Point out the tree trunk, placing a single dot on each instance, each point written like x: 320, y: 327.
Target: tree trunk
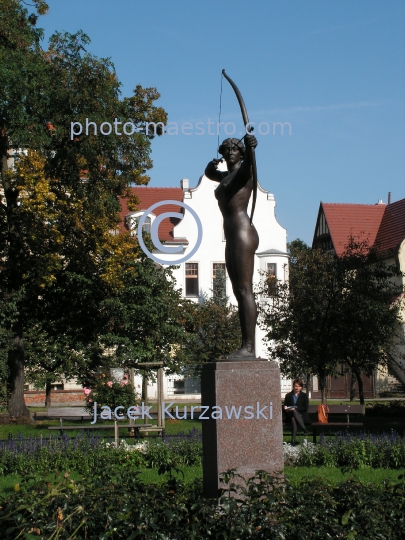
x: 353, y: 386
x: 360, y: 383
x: 322, y: 385
x: 48, y: 389
x: 16, y: 404
x: 145, y: 388
x: 15, y: 361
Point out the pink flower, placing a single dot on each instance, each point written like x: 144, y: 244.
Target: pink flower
x: 124, y: 382
x: 90, y: 401
x: 87, y: 391
x: 125, y: 377
x: 109, y: 384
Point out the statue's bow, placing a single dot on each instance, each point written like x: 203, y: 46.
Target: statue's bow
x: 251, y: 150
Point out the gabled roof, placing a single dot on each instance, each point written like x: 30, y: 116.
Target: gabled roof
x: 345, y: 220
x: 149, y: 196
x: 392, y: 228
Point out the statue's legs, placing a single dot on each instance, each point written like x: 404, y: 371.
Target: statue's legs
x: 247, y: 317
x: 239, y: 256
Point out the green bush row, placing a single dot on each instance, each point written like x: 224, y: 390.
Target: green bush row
x: 111, y: 503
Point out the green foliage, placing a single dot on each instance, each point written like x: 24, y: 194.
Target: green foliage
x: 114, y: 503
x: 178, y: 452
x: 214, y: 331
x: 144, y: 319
x: 219, y: 287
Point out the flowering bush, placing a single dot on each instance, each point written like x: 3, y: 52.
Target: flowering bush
x: 382, y: 450
x: 109, y: 391
x: 293, y: 454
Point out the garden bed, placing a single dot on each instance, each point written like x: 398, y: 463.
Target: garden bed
x: 153, y: 490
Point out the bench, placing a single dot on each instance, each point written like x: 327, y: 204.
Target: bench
x: 137, y: 428
x: 346, y: 410
x: 79, y: 413
x: 76, y: 413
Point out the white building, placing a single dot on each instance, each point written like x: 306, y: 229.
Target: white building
x: 196, y: 275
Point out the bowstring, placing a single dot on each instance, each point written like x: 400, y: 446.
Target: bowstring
x: 219, y: 115
x: 220, y: 110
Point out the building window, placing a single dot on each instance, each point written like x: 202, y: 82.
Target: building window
x: 132, y: 224
x: 184, y: 386
x: 145, y: 227
x: 271, y: 279
x: 272, y: 269
x: 219, y: 280
x: 315, y: 383
x: 191, y: 279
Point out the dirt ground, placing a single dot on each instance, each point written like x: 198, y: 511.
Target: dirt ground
x: 6, y: 419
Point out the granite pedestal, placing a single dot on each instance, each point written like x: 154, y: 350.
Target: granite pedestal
x: 249, y: 436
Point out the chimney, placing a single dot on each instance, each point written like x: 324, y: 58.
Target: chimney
x: 389, y: 197
x: 184, y: 184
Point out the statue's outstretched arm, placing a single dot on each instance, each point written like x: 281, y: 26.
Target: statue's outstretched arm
x: 212, y: 172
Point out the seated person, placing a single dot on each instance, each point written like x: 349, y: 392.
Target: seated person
x: 295, y: 409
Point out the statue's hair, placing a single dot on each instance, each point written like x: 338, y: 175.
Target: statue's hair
x: 235, y: 142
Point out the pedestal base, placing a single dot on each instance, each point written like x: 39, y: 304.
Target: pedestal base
x: 242, y: 423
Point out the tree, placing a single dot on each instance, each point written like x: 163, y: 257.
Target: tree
x: 334, y: 311
x: 299, y: 316
x: 59, y: 203
x: 213, y: 328
x: 369, y: 311
x: 144, y: 317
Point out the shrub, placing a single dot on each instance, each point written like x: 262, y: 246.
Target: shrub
x: 111, y: 504
x: 390, y: 409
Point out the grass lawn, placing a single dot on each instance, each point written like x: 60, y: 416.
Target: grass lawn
x: 40, y: 427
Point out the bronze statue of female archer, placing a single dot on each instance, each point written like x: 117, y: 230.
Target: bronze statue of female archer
x: 233, y: 194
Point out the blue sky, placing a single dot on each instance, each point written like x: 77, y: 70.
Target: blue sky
x: 334, y: 70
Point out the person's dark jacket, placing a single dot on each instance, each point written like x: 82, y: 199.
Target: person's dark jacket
x: 302, y: 404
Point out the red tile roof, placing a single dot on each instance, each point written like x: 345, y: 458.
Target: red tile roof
x: 357, y: 220
x: 392, y: 229
x: 149, y: 196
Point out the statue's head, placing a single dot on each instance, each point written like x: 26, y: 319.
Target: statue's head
x: 228, y: 144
